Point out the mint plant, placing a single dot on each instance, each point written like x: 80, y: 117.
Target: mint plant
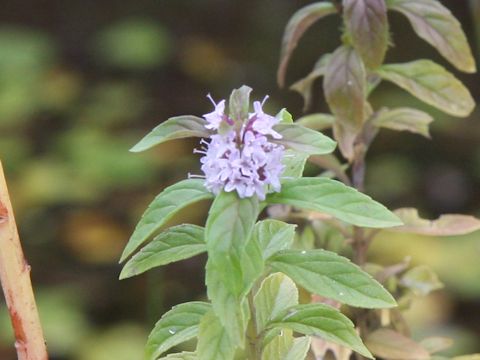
x: 255, y: 272
x: 351, y: 74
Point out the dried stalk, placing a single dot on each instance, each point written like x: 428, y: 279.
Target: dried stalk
x: 16, y: 284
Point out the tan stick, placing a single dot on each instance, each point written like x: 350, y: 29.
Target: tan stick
x: 16, y: 284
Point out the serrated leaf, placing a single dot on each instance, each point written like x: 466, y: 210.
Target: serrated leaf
x: 317, y: 121
x: 294, y: 163
x: 390, y: 344
x: 334, y: 198
x: 213, y: 341
x: 404, y: 119
x: 296, y: 27
x: 304, y: 86
x: 445, y: 225
x: 273, y: 236
x: 435, y: 24
x: 345, y: 86
x: 422, y: 280
x: 367, y: 24
x: 185, y: 355
x: 174, y: 128
x: 323, y: 321
x: 176, y: 326
x: 163, y: 207
x: 302, y: 139
x: 276, y: 294
x: 432, y: 84
x: 174, y: 244
x: 330, y: 275
x: 239, y: 103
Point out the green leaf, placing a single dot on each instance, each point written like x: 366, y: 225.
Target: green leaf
x: 435, y: 24
x: 273, y: 236
x: 367, y: 24
x: 229, y: 307
x: 284, y: 116
x: 304, y: 86
x: 239, y: 103
x: 445, y: 225
x: 390, y: 344
x: 432, y: 84
x: 278, y: 346
x: 177, y: 243
x: 229, y: 227
x: 317, y: 121
x: 294, y: 163
x: 176, y: 326
x: 163, y: 207
x: 174, y: 128
x: 285, y: 347
x: 323, y: 321
x: 302, y: 139
x: 404, y: 119
x: 436, y: 344
x: 332, y: 276
x: 276, y: 294
x: 334, y: 198
x: 213, y: 341
x: 345, y: 86
x: 185, y: 355
x: 422, y: 280
x: 296, y: 27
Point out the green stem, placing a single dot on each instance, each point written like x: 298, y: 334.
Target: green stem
x: 254, y: 350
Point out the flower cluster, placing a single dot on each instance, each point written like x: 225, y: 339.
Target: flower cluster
x: 242, y: 158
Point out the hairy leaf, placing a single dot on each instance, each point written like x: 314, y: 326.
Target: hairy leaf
x: 276, y: 294
x: 239, y: 103
x: 163, y: 207
x: 177, y: 243
x: 296, y: 27
x: 302, y: 139
x: 432, y: 84
x: 317, y: 121
x: 332, y: 276
x: 185, y: 355
x: 404, y: 119
x: 323, y: 321
x: 304, y: 86
x: 367, y: 24
x: 389, y: 344
x: 273, y: 235
x: 174, y: 128
x: 435, y: 24
x: 345, y: 86
x: 213, y: 341
x: 176, y: 326
x: 445, y: 225
x: 334, y: 198
x: 285, y: 347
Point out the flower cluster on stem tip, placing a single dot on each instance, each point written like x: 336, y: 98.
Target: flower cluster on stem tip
x: 241, y: 156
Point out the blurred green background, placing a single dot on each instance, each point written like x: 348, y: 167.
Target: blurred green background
x: 82, y: 81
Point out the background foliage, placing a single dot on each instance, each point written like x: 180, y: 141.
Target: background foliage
x: 80, y: 82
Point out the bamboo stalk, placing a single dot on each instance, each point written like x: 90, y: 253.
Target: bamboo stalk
x: 16, y: 284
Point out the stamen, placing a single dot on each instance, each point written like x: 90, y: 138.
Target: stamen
x: 265, y: 99
x: 211, y: 99
x: 194, y: 176
x: 196, y: 151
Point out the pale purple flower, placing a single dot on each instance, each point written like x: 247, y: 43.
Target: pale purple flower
x: 242, y: 158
